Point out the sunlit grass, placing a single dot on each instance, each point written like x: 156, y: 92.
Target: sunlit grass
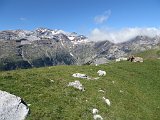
x: 134, y: 94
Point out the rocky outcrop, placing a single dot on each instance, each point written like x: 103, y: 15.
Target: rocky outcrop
x: 42, y: 47
x: 12, y: 107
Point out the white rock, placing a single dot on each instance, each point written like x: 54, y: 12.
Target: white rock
x: 135, y: 59
x: 138, y: 59
x: 76, y: 84
x: 107, y: 101
x: 29, y: 104
x: 125, y: 59
x: 121, y: 91
x: 12, y: 107
x: 97, y: 117
x: 121, y: 59
x: 101, y: 91
x: 95, y: 111
x: 118, y: 59
x: 79, y: 75
x: 101, y: 73
x: 51, y: 80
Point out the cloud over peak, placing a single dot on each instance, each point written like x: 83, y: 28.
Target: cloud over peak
x: 99, y: 19
x: 122, y: 35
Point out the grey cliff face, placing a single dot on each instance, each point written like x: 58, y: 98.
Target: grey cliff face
x: 46, y: 47
x: 42, y: 47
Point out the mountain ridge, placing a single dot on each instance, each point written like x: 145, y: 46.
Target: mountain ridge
x: 46, y: 47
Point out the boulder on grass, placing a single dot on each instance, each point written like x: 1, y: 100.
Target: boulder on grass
x: 76, y: 84
x: 12, y: 107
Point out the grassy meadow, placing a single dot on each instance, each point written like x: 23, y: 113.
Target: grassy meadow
x: 132, y: 88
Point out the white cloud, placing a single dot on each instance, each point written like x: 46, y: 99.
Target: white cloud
x: 102, y: 18
x: 122, y: 35
x: 22, y: 19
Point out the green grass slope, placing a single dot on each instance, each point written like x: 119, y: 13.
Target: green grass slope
x: 150, y: 54
x: 134, y: 94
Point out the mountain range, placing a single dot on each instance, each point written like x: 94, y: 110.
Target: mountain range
x: 46, y: 47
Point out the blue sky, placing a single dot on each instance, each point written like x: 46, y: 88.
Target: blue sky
x: 80, y: 16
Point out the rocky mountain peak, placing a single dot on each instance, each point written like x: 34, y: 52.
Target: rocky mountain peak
x: 42, y: 33
x: 44, y: 47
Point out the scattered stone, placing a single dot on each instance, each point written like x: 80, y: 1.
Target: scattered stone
x: 135, y: 59
x: 95, y: 114
x: 95, y: 111
x: 97, y: 117
x: 101, y: 73
x: 121, y: 91
x: 84, y: 76
x: 107, y: 101
x: 51, y: 80
x: 118, y: 60
x: 113, y: 82
x: 121, y: 59
x: 76, y: 84
x: 79, y: 75
x: 101, y: 91
x: 12, y: 107
x: 138, y: 59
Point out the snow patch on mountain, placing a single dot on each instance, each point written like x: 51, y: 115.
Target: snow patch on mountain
x: 71, y: 54
x: 80, y: 41
x: 71, y: 37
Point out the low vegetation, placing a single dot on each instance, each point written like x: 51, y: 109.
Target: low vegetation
x: 150, y: 54
x: 132, y: 88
